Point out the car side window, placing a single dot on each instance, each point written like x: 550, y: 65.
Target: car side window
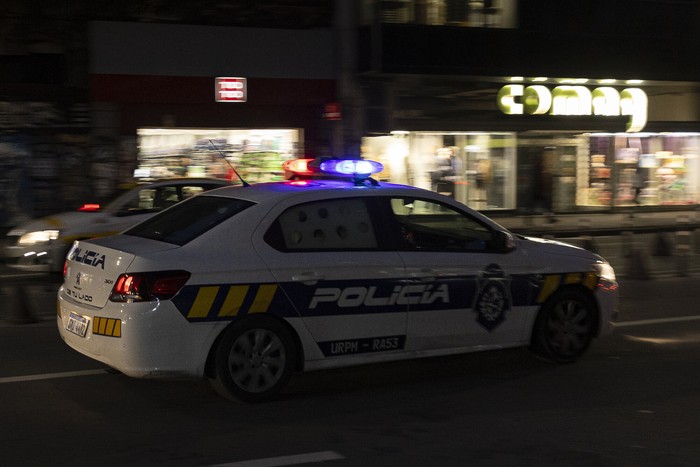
x: 190, y: 191
x: 140, y: 201
x: 431, y: 226
x: 335, y: 224
x: 165, y: 197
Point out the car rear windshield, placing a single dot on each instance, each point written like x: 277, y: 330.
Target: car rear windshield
x: 188, y: 220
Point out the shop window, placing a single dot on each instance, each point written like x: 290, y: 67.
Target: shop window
x: 651, y: 170
x: 257, y: 154
x: 477, y: 169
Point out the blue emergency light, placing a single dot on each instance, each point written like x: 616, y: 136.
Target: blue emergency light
x: 356, y: 169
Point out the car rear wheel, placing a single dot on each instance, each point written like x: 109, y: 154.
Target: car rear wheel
x: 253, y: 360
x: 565, y: 326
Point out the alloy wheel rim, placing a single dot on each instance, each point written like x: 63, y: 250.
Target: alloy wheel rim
x: 257, y: 360
x: 569, y: 327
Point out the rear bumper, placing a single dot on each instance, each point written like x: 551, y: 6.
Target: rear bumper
x: 40, y: 258
x: 142, y: 340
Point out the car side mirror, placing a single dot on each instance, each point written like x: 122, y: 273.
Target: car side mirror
x: 503, y: 241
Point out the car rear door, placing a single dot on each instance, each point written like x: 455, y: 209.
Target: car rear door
x: 329, y: 258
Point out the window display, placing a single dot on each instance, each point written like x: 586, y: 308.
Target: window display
x: 477, y: 169
x: 649, y: 169
x: 257, y: 155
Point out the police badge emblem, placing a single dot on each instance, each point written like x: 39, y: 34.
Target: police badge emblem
x: 493, y: 299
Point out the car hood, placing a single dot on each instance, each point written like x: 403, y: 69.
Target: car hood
x: 552, y: 255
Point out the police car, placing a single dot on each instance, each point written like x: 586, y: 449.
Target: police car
x: 41, y: 244
x: 245, y: 285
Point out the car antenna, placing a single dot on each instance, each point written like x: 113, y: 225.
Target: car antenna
x: 229, y: 164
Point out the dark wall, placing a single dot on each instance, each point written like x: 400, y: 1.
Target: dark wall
x: 623, y: 39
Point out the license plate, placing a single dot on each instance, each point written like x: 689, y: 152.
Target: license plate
x: 77, y: 324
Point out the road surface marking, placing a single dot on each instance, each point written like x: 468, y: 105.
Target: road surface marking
x: 67, y: 374
x: 643, y: 322
x: 321, y: 456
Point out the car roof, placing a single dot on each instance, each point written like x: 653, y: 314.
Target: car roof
x: 181, y: 181
x: 270, y: 191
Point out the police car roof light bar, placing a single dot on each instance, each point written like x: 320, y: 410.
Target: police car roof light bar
x: 358, y: 168
x: 298, y: 166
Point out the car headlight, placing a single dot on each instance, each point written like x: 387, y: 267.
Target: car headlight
x: 605, y: 271
x: 39, y: 236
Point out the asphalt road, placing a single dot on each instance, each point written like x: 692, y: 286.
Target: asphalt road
x: 631, y: 401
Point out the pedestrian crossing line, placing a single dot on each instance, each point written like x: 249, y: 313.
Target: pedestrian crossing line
x: 643, y: 322
x: 39, y: 377
x: 312, y: 457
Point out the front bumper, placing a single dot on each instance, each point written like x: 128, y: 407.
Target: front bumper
x: 46, y: 257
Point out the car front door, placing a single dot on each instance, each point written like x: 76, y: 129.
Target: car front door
x: 470, y: 296
x: 329, y: 258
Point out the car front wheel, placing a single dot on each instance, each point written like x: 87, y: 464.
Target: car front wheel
x: 253, y: 360
x: 565, y: 326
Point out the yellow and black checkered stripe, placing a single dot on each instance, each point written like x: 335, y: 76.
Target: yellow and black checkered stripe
x: 110, y: 327
x: 228, y: 301
x: 552, y: 282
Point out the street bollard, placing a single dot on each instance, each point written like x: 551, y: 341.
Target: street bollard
x: 662, y: 245
x: 683, y: 247
x: 584, y: 226
x: 548, y: 225
x: 627, y: 242
x: 20, y: 312
x: 638, y: 265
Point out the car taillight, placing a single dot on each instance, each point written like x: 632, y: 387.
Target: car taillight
x: 89, y: 207
x: 147, y: 286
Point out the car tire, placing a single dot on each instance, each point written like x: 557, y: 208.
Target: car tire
x: 564, y: 326
x: 253, y: 360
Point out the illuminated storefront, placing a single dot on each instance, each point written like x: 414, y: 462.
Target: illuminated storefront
x: 557, y: 145
x: 475, y: 168
x: 257, y: 154
x: 640, y: 169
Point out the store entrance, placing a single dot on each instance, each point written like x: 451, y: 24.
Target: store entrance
x: 546, y: 177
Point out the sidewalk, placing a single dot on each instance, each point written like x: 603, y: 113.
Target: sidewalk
x: 600, y: 224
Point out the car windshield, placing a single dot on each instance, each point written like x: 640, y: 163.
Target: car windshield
x: 189, y: 219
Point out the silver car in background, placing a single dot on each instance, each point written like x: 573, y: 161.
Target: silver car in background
x: 40, y: 245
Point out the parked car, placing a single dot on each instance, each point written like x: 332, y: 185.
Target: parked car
x: 42, y: 244
x: 245, y: 285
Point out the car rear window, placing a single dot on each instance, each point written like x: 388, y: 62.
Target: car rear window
x: 189, y: 219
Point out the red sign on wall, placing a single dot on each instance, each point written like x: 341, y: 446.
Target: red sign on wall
x: 230, y: 90
x: 332, y: 111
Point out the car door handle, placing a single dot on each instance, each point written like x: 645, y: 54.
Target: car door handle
x: 307, y: 277
x: 425, y: 274
x: 492, y: 270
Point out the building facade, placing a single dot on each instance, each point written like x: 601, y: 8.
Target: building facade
x: 507, y: 105
x: 535, y: 106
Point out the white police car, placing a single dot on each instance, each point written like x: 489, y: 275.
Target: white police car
x: 41, y: 244
x: 247, y: 284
